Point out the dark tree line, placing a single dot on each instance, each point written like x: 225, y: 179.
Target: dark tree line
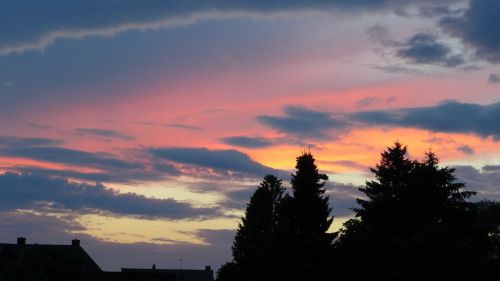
x: 415, y: 222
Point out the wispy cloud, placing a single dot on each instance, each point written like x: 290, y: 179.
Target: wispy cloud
x: 247, y: 142
x: 103, y: 133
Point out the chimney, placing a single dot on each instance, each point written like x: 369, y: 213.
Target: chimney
x: 208, y: 268
x: 21, y: 241
x: 75, y: 242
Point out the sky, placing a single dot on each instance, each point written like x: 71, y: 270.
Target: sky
x: 143, y: 127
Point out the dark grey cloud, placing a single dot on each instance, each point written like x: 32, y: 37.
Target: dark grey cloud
x: 449, y: 116
x: 30, y: 191
x: 372, y: 100
x: 111, y: 167
x: 399, y: 69
x: 343, y: 198
x: 11, y: 141
x: 478, y: 27
x: 423, y: 48
x: 485, y: 180
x: 466, y: 149
x: 494, y: 78
x: 439, y: 11
x: 39, y: 126
x: 70, y: 156
x: 182, y: 126
x: 103, y: 133
x: 420, y: 48
x: 304, y: 123
x: 221, y: 160
x: 29, y: 24
x: 38, y: 227
x: 247, y: 142
x: 367, y: 101
x: 112, y: 176
x: 381, y: 34
x: 491, y: 168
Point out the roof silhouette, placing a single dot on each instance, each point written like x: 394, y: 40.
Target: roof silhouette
x: 41, y: 262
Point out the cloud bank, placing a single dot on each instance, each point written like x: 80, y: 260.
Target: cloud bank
x: 33, y: 191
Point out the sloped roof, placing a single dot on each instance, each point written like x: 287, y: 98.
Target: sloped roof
x: 46, y: 263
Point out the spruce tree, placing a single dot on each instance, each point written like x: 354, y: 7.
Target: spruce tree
x: 305, y: 216
x: 255, y: 243
x: 414, y: 224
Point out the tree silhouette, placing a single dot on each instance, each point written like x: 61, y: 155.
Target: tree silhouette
x: 229, y: 272
x: 414, y: 224
x: 254, y: 246
x: 304, y: 220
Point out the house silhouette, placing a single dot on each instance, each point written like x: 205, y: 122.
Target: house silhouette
x: 38, y: 262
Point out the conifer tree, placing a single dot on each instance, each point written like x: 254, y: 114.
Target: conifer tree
x: 305, y: 220
x: 254, y: 246
x: 414, y: 224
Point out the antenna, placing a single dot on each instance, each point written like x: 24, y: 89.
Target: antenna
x: 180, y: 261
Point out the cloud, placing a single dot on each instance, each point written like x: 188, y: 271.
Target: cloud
x: 478, y: 27
x: 449, y: 116
x: 29, y: 191
x: 466, y: 149
x: 423, y: 48
x: 220, y: 160
x: 110, y: 176
x: 70, y: 156
x: 103, y: 133
x: 367, y: 101
x: 247, y: 142
x: 182, y: 126
x: 304, y: 123
x: 419, y: 49
x: 105, y: 167
x: 485, y: 180
x: 439, y: 11
x: 38, y: 227
x: 19, y: 141
x: 343, y: 198
x: 31, y: 25
x: 494, y: 78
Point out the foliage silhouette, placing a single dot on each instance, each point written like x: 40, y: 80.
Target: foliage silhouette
x: 303, y: 223
x: 285, y: 237
x: 229, y: 272
x: 415, y: 224
x: 255, y: 242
